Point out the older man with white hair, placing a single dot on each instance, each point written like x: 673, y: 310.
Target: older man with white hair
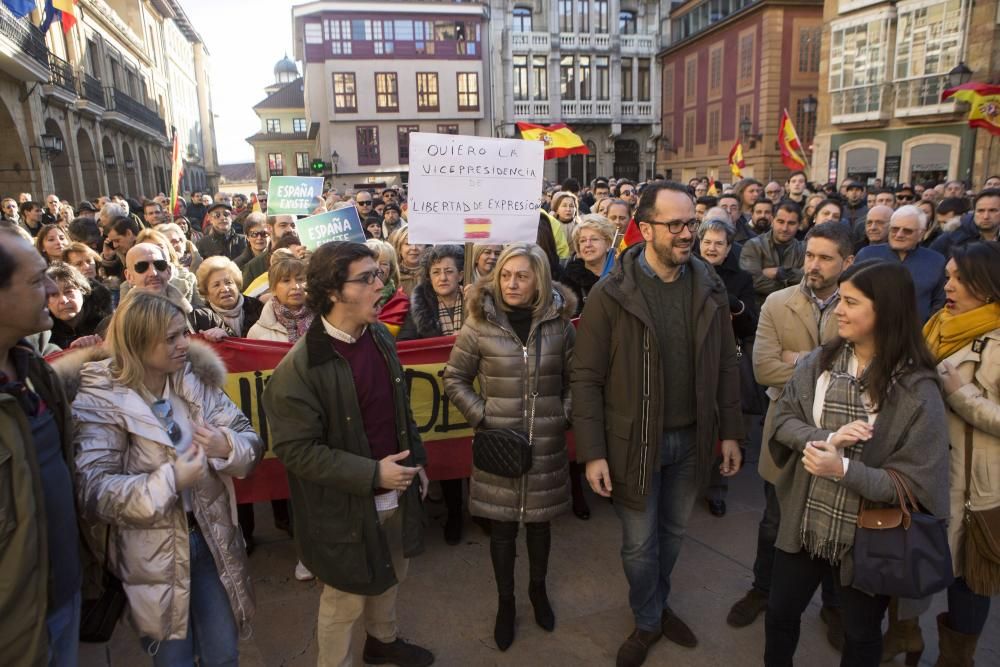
x: 906, y: 229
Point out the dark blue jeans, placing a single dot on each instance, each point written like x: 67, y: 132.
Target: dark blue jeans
x: 651, y: 539
x: 63, y: 625
x: 212, y: 633
x: 967, y: 611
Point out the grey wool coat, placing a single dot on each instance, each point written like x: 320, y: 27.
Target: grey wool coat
x: 910, y: 436
x: 487, y: 349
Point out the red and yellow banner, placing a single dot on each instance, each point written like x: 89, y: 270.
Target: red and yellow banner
x: 984, y: 104
x: 446, y: 435
x: 736, y: 162
x: 792, y: 154
x: 559, y: 140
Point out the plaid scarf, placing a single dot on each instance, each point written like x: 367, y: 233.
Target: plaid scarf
x: 450, y: 318
x: 831, y: 512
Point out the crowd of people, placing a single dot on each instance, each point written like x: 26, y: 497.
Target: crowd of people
x: 850, y: 334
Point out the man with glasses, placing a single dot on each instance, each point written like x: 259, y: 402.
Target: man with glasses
x: 626, y: 191
x: 340, y: 420
x: 774, y: 258
x: 774, y: 192
x: 277, y: 226
x: 906, y: 229
x: 730, y: 203
x: 52, y: 206
x: 904, y: 195
x: 647, y: 419
x: 262, y: 200
x: 390, y: 196
x: 220, y: 237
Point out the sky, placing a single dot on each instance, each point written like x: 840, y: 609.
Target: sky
x: 245, y: 38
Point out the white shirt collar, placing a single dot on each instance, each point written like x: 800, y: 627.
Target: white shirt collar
x: 337, y: 334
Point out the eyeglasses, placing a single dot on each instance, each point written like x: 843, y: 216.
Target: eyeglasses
x: 365, y: 203
x: 259, y: 235
x: 159, y: 264
x: 164, y: 411
x: 369, y: 277
x: 901, y: 231
x: 904, y: 197
x: 676, y: 226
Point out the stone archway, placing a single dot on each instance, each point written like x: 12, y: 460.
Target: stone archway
x: 62, y: 176
x: 146, y: 173
x: 90, y: 167
x: 16, y: 174
x: 114, y: 178
x: 129, y: 166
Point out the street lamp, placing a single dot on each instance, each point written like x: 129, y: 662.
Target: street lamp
x: 809, y: 105
x: 129, y: 164
x: 746, y: 129
x: 109, y: 161
x: 334, y: 160
x: 959, y: 74
x: 52, y: 145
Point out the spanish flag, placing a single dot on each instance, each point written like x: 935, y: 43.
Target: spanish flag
x: 631, y: 237
x: 736, y: 162
x: 984, y: 104
x: 67, y: 9
x: 791, y: 148
x: 477, y: 229
x: 254, y: 203
x: 560, y: 141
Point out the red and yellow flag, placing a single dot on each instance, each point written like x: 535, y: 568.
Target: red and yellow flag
x: 792, y: 154
x: 736, y: 162
x: 560, y: 141
x: 254, y: 203
x: 67, y: 9
x: 984, y: 104
x: 176, y: 168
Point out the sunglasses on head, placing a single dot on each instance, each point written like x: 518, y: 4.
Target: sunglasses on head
x: 143, y: 266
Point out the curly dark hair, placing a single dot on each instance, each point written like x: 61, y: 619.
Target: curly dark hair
x: 435, y: 254
x: 329, y: 268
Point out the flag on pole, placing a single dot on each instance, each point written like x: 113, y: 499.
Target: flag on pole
x: 254, y: 203
x: 631, y: 237
x: 19, y: 8
x: 736, y: 162
x: 176, y: 169
x: 559, y: 140
x: 792, y: 154
x: 984, y: 104
x: 58, y: 11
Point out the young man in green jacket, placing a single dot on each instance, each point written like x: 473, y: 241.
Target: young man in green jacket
x: 341, y: 423
x: 39, y: 594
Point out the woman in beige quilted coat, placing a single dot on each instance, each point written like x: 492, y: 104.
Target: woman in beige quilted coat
x: 158, y: 443
x: 510, y: 314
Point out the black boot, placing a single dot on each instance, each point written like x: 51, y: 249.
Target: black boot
x: 451, y: 489
x: 539, y: 538
x: 503, y: 551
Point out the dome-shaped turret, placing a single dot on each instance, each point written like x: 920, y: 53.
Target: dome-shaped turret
x: 286, y: 70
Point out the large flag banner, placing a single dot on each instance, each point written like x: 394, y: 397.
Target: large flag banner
x: 791, y: 148
x: 984, y: 104
x: 176, y: 169
x: 558, y: 139
x: 736, y: 162
x: 446, y: 435
x: 294, y: 195
x: 19, y: 8
x: 344, y: 224
x: 473, y: 189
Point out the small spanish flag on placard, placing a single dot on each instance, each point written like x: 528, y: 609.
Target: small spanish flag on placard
x: 477, y: 228
x: 559, y: 140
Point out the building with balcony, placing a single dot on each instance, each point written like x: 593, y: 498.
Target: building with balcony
x: 729, y: 69
x: 286, y: 143
x: 369, y: 81
x: 92, y: 111
x: 884, y: 66
x: 590, y: 64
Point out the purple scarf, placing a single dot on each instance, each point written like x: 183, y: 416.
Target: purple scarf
x: 296, y: 322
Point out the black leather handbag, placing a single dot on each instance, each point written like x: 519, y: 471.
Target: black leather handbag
x: 901, y: 551
x: 98, y: 617
x: 506, y: 452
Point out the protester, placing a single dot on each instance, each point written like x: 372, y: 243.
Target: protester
x: 30, y: 217
x: 947, y: 217
x: 341, y: 424
x: 876, y: 226
x: 715, y: 246
x: 220, y: 236
x: 518, y: 319
x: 190, y: 232
x: 566, y: 211
x: 409, y: 258
x: 392, y: 219
x: 258, y: 237
x: 877, y: 373
x: 188, y: 256
x: 436, y: 303
x: 220, y: 283
x: 285, y: 316
x: 748, y: 192
x: 761, y: 216
x: 619, y: 213
x: 592, y: 241
x: 157, y: 440
x: 984, y: 226
x: 40, y: 570
x: 50, y: 242
x: 394, y: 304
x: 964, y: 339
x: 185, y: 281
x: 9, y: 210
x: 774, y: 258
x: 82, y: 258
x: 77, y: 308
x: 809, y: 214
x: 654, y: 287
x: 484, y: 259
x: 926, y: 267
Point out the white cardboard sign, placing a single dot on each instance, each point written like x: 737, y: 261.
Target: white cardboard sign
x: 473, y: 189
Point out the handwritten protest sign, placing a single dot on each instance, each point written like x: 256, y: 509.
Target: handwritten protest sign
x: 294, y: 195
x: 341, y: 225
x: 473, y: 189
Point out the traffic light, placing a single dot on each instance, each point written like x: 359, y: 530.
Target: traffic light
x: 318, y: 166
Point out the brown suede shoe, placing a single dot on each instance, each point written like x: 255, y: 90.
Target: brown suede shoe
x: 634, y: 650
x: 677, y: 630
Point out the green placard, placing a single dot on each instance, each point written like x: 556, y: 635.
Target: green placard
x: 294, y: 195
x: 341, y: 225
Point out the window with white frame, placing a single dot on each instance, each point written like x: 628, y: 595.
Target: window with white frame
x: 928, y: 45
x: 858, y: 51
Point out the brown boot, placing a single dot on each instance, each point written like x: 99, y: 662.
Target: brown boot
x: 957, y: 649
x: 903, y: 636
